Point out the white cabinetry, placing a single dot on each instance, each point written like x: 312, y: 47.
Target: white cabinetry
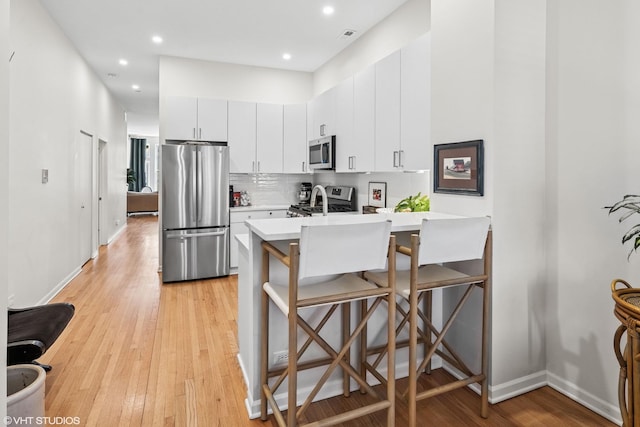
x: 415, y: 107
x: 321, y: 115
x: 389, y: 154
x: 255, y: 137
x: 242, y: 137
x: 237, y: 226
x: 364, y: 96
x: 344, y: 125
x: 197, y: 119
x: 269, y: 135
x: 295, y: 143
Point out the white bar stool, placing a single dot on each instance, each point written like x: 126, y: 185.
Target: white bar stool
x: 323, y: 250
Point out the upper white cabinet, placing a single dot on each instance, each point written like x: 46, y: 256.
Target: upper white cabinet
x: 295, y: 141
x: 255, y: 137
x: 242, y: 137
x: 344, y: 124
x: 415, y: 105
x: 269, y: 134
x: 321, y: 115
x: 199, y: 119
x: 388, y: 153
x: 355, y: 151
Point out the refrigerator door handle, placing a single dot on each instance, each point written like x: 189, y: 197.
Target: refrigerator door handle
x: 198, y: 185
x: 192, y: 235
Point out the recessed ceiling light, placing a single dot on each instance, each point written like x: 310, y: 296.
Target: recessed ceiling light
x: 328, y: 10
x: 156, y: 39
x: 123, y: 62
x: 286, y: 56
x: 136, y: 88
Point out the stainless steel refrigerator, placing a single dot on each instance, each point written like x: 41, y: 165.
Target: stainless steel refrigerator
x: 195, y: 211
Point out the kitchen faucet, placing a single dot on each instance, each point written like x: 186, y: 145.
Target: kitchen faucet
x: 323, y: 192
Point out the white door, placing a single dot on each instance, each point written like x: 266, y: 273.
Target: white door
x: 102, y: 193
x: 83, y: 168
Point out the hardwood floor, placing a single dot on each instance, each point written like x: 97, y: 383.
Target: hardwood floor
x: 139, y: 353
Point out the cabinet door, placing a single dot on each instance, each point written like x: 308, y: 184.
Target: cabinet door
x: 212, y: 119
x: 181, y: 121
x: 387, y: 127
x: 269, y: 138
x: 344, y: 125
x: 324, y: 114
x: 295, y: 139
x: 242, y: 137
x: 415, y: 101
x: 364, y: 97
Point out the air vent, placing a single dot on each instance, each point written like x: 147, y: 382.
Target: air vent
x: 347, y: 34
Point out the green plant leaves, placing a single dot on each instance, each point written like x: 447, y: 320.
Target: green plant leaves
x: 417, y: 203
x: 630, y: 202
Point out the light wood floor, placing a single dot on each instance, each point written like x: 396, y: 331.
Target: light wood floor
x: 139, y: 353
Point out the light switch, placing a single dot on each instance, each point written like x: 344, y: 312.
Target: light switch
x: 45, y: 176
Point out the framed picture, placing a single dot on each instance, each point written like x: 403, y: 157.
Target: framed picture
x: 459, y: 168
x: 378, y: 194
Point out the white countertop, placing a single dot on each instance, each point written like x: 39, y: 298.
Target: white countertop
x: 258, y: 208
x: 289, y: 228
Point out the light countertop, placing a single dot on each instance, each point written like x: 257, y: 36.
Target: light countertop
x: 289, y: 228
x: 258, y: 208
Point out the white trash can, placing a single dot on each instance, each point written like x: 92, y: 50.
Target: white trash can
x: 25, y: 393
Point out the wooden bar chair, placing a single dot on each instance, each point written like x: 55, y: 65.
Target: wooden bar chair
x: 326, y: 250
x: 440, y: 241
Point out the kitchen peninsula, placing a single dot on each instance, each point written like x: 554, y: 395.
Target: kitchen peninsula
x: 280, y: 232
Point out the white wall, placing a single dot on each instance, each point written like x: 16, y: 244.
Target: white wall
x: 4, y: 193
x: 593, y: 110
x: 54, y: 95
x: 405, y: 24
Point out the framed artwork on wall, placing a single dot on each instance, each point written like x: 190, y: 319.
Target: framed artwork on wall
x: 378, y: 194
x: 459, y: 168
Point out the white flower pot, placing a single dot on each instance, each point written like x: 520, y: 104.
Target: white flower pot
x: 25, y: 392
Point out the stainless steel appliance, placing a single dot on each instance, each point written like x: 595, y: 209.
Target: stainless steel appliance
x: 322, y: 153
x: 195, y: 211
x: 341, y: 200
x: 304, y: 194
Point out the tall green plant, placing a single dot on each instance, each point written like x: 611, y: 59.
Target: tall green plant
x: 629, y: 205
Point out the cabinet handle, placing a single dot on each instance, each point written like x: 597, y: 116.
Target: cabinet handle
x: 303, y: 167
x: 350, y: 163
x: 322, y: 130
x: 258, y: 165
x: 353, y: 162
x: 400, y: 157
x: 194, y: 133
x: 395, y: 159
x: 253, y: 166
x: 199, y: 133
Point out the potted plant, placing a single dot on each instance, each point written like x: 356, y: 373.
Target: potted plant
x: 417, y: 203
x: 629, y: 205
x: 131, y: 178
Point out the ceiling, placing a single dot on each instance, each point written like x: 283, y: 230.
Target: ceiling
x: 249, y: 32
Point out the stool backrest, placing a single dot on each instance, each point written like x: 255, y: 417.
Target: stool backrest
x: 343, y: 248
x: 451, y: 240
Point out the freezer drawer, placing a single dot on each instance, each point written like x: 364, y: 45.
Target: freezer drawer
x: 195, y: 254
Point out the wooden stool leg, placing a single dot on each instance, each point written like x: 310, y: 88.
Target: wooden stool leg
x: 346, y: 332
x: 363, y: 344
x: 264, y: 363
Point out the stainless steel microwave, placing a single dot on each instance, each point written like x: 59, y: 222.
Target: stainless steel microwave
x: 322, y: 153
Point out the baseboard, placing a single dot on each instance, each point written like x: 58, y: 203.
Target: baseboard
x: 586, y: 399
x: 60, y: 286
x: 117, y: 233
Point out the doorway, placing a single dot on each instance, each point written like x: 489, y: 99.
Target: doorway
x: 102, y: 223
x: 83, y: 195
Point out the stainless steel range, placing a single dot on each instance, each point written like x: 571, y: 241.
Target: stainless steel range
x: 340, y: 200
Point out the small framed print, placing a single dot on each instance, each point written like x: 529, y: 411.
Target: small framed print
x: 459, y: 168
x: 378, y: 194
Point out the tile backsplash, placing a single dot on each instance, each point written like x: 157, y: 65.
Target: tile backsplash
x: 282, y: 189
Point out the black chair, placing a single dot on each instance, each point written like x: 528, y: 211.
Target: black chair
x: 33, y: 330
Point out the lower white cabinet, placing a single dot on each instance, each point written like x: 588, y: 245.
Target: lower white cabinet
x: 237, y: 226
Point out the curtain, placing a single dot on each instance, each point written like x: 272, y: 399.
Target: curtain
x: 136, y: 167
